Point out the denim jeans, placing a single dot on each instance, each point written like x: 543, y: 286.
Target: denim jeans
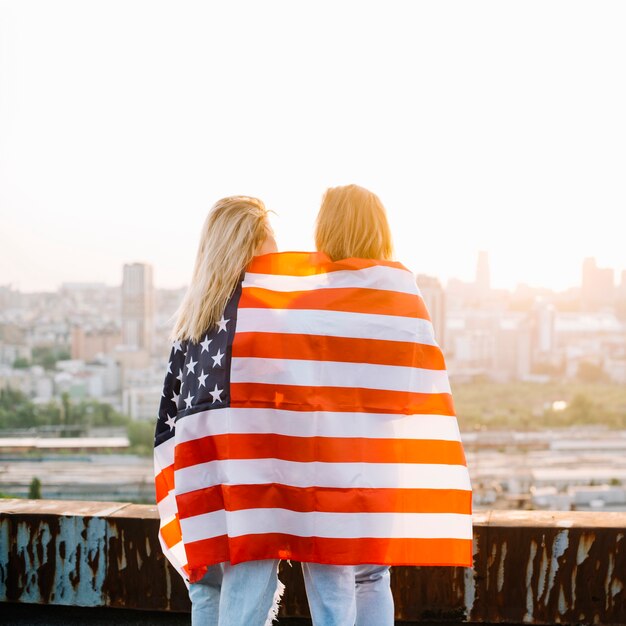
x: 246, y: 594
x: 341, y: 595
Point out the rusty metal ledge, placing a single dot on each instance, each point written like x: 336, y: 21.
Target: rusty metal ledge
x: 529, y: 566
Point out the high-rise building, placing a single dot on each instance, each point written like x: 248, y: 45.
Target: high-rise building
x: 543, y: 323
x: 483, y: 278
x: 598, y: 284
x: 138, y: 306
x: 435, y: 300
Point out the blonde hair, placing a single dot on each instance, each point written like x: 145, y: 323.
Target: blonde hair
x: 232, y: 232
x: 352, y: 222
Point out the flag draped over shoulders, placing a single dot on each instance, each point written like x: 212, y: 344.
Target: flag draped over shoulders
x: 314, y: 422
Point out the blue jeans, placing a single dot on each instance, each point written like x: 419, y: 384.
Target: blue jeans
x: 246, y: 594
x: 342, y: 595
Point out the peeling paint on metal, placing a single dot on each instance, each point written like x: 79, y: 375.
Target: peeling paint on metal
x: 501, y: 566
x: 528, y: 617
x: 559, y: 545
x: 584, y: 545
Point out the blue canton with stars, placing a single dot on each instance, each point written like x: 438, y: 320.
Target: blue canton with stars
x: 198, y: 374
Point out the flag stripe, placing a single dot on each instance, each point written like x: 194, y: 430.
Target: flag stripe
x: 322, y: 449
x: 363, y: 375
x: 313, y: 424
x: 164, y: 482
x: 336, y: 324
x: 315, y: 264
x: 316, y: 474
x: 339, y: 349
x: 327, y: 499
x: 337, y: 398
x: 333, y: 551
x: 167, y: 507
x: 171, y: 532
x: 351, y: 300
x: 319, y: 524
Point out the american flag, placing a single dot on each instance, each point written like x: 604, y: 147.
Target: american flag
x: 314, y: 422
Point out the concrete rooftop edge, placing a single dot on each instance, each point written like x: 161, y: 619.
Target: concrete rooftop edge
x: 541, y: 567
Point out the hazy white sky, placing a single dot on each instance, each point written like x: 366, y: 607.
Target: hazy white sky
x: 481, y: 125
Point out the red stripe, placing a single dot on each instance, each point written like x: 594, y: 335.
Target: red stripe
x: 339, y: 349
x: 171, y: 532
x: 324, y: 499
x: 456, y: 552
x: 322, y: 449
x: 335, y: 399
x: 351, y: 300
x: 164, y: 482
x: 310, y: 263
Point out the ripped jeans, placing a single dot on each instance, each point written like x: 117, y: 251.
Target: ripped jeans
x: 246, y: 594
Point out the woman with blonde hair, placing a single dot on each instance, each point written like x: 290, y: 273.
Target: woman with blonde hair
x: 352, y: 222
x: 235, y: 230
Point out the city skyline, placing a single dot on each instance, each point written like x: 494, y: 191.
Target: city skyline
x: 486, y: 274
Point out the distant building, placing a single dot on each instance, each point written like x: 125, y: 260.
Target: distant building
x: 138, y: 306
x: 598, y: 285
x: 544, y: 327
x: 435, y: 300
x: 512, y: 349
x: 88, y: 344
x: 621, y: 290
x: 483, y: 276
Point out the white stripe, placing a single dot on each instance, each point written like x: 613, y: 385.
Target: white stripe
x: 318, y: 474
x: 376, y: 277
x: 336, y: 324
x: 316, y: 424
x: 337, y: 374
x: 167, y: 508
x: 330, y: 525
x: 176, y: 554
x: 164, y: 455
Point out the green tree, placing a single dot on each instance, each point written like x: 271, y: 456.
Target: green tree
x: 34, y: 489
x: 590, y: 372
x: 141, y: 437
x: 21, y: 363
x: 580, y: 409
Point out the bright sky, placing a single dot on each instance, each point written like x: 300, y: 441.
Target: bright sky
x: 481, y: 125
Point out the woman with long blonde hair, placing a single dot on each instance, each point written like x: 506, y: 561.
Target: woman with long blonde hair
x: 235, y: 230
x: 351, y: 222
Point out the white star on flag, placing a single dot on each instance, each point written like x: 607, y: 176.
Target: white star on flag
x: 169, y: 367
x: 201, y: 379
x: 188, y: 400
x: 217, y: 394
x: 176, y: 347
x: 180, y: 375
x: 205, y: 344
x: 170, y: 421
x: 222, y: 324
x: 191, y: 366
x: 175, y: 398
x: 217, y: 359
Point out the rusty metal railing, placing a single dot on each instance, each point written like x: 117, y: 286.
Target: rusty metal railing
x: 529, y: 566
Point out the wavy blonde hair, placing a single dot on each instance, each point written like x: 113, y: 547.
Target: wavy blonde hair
x: 232, y: 232
x: 352, y: 222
